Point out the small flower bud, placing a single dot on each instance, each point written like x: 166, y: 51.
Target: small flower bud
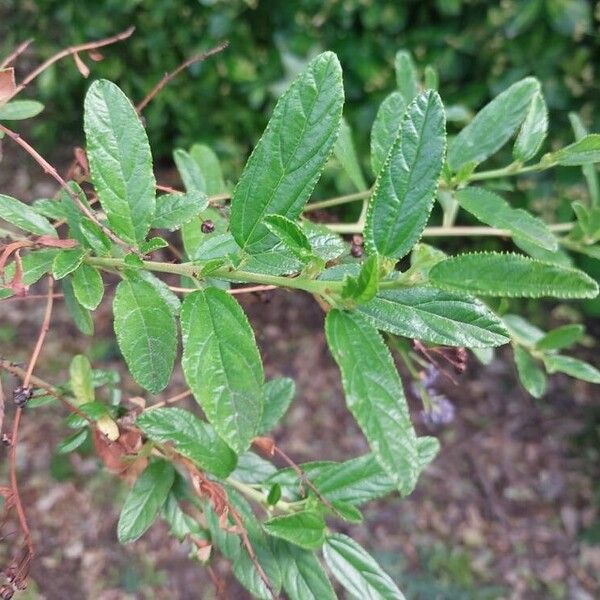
x: 207, y: 226
x: 6, y: 439
x: 357, y: 239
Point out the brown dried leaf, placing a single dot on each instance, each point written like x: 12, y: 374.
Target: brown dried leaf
x: 81, y: 66
x: 8, y: 85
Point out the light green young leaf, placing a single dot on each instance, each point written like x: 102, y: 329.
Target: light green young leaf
x: 589, y: 170
x: 493, y: 125
x: 146, y: 333
x: 533, y: 131
x: 81, y: 382
x: 522, y: 331
x: 428, y: 448
x: 357, y: 571
x: 287, y: 161
x: 190, y: 172
x: 162, y: 289
x: 555, y: 363
x: 88, y: 286
x: 561, y: 337
x: 72, y: 442
x: 24, y: 217
x: 191, y: 437
x: 305, y: 529
x: 153, y: 244
x: 436, y: 316
x: 173, y: 210
x: 493, y: 210
x: 80, y: 315
x: 345, y: 152
x: 66, y: 261
x: 374, y: 395
x: 16, y: 110
x: 145, y: 500
x: 583, y: 152
x: 222, y: 365
x: 279, y: 394
x: 364, y: 286
x: 511, y: 275
x: 290, y: 234
x: 324, y: 243
x: 406, y: 76
x: 120, y: 160
x: 385, y: 129
x: 431, y: 78
x: 530, y: 374
x: 405, y: 188
x: 210, y: 168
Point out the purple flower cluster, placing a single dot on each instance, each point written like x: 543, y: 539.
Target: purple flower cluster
x: 440, y: 410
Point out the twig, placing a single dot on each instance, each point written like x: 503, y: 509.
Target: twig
x: 68, y: 52
x: 170, y: 76
x: 217, y: 582
x: 16, y: 53
x: 1, y: 407
x: 234, y: 292
x: 171, y: 400
x: 32, y: 297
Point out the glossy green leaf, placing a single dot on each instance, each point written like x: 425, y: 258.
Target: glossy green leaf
x: 145, y: 500
x: 120, y: 160
x: 24, y: 217
x: 530, y: 374
x: 305, y: 529
x: 533, y: 131
x: 222, y: 365
x: 345, y: 152
x: 72, y: 442
x: 574, y: 367
x: 88, y: 286
x: 511, y: 275
x: 406, y: 76
x: 287, y: 161
x: 435, y: 316
x: 385, y: 129
x: 191, y: 437
x: 16, y: 110
x: 493, y: 125
x: 146, y: 333
x: 66, y: 261
x: 589, y: 170
x: 80, y: 379
x: 583, y: 152
x: 161, y: 288
x: 324, y: 243
x: 173, y: 210
x: 153, y: 244
x: 493, y: 210
x: 405, y: 188
x: 374, y: 395
x: 279, y: 394
x: 357, y: 571
x: 80, y: 315
x: 364, y: 286
x: 251, y: 468
x: 291, y: 235
x: 561, y: 337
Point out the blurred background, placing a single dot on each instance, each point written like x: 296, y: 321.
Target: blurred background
x: 510, y: 508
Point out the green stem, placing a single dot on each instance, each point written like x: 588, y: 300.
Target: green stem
x: 337, y: 201
x: 512, y: 169
x: 260, y: 498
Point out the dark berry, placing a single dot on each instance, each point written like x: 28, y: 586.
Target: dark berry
x: 21, y: 395
x: 356, y: 250
x: 207, y: 226
x: 357, y: 239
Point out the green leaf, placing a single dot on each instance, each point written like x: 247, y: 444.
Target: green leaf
x: 345, y: 152
x: 80, y: 315
x: 15, y: 110
x: 357, y: 571
x: 287, y: 161
x: 493, y: 125
x: 291, y: 235
x: 72, y: 442
x: 530, y: 375
x: 385, y: 129
x: 305, y: 529
x: 589, y: 170
x: 428, y: 448
x: 374, y: 395
x: 583, y: 152
x: 24, y: 217
x: 210, y: 168
x: 534, y: 130
x: 222, y: 365
x: 405, y: 188
x: 436, y: 316
x: 324, y: 243
x: 66, y: 261
x: 555, y: 363
x: 279, y: 394
x: 173, y: 210
x: 191, y: 437
x: 251, y: 468
x: 561, y: 337
x: 94, y: 237
x: 511, y: 275
x: 120, y: 160
x: 88, y: 286
x: 303, y: 575
x: 161, y: 288
x: 145, y: 500
x: 431, y: 78
x: 153, y: 244
x: 493, y: 210
x: 80, y: 380
x: 51, y: 209
x: 363, y: 287
x: 190, y: 172
x: 522, y: 330
x: 347, y: 511
x: 406, y: 76
x: 35, y: 266
x: 146, y: 333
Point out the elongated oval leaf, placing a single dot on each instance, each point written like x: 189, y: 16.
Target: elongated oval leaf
x: 533, y: 131
x: 290, y: 234
x: 436, y: 316
x: 374, y: 395
x: 24, y: 217
x: 222, y: 365
x: 357, y: 571
x: 88, y: 286
x: 66, y: 261
x: 190, y: 436
x: 589, y: 170
x: 80, y: 315
x: 511, y: 275
x: 561, y: 337
x: 404, y: 191
x: 146, y: 333
x: 279, y: 394
x: 583, y: 152
x: 531, y: 376
x: 493, y: 210
x: 385, y: 129
x: 81, y: 379
x: 287, y: 161
x: 120, y: 160
x: 145, y: 501
x: 406, y: 75
x: 345, y: 152
x: 15, y: 110
x: 555, y: 363
x: 173, y: 210
x: 305, y: 529
x: 493, y: 125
